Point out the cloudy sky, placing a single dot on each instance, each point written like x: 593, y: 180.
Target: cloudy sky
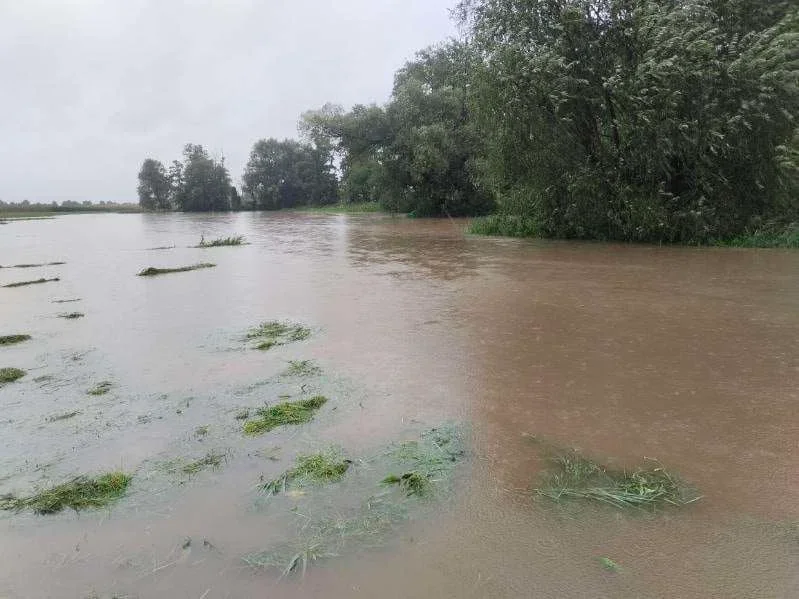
x: 89, y: 88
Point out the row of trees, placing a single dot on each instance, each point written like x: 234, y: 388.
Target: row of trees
x: 656, y: 120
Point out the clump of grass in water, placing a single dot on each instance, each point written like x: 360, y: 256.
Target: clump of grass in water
x: 274, y: 333
x: 302, y: 368
x: 9, y: 375
x: 11, y: 339
x: 66, y: 301
x: 65, y: 416
x: 577, y: 477
x: 152, y: 271
x: 290, y: 412
x: 35, y: 282
x: 325, y: 467
x: 80, y: 493
x: 71, y: 315
x: 221, y: 242
x: 101, y: 388
x: 212, y: 459
x: 35, y: 265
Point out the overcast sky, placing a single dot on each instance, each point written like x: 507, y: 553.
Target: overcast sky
x: 89, y: 88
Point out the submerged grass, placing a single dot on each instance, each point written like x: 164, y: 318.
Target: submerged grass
x: 12, y: 339
x: 212, y: 459
x: 66, y: 301
x: 290, y: 412
x: 152, y: 271
x: 34, y: 282
x: 221, y: 242
x: 64, y: 416
x: 326, y: 467
x: 785, y: 237
x: 100, y: 388
x: 34, y: 265
x: 302, y: 368
x: 80, y: 493
x: 575, y: 476
x: 9, y: 375
x: 504, y: 225
x: 71, y: 315
x: 273, y: 333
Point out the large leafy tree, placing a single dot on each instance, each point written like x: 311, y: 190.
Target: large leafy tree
x: 651, y: 120
x: 203, y: 183
x: 153, y: 188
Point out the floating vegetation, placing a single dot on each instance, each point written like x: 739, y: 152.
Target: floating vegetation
x: 413, y: 482
x: 163, y: 247
x: 202, y: 431
x: 221, y: 242
x: 64, y: 416
x: 12, y: 339
x: 101, y: 388
x: 80, y: 493
x: 302, y: 368
x: 66, y: 301
x: 71, y: 315
x: 9, y: 375
x: 289, y: 412
x: 152, y: 271
x: 609, y: 565
x: 317, y: 468
x: 575, y: 476
x: 212, y: 459
x: 274, y: 333
x: 34, y: 265
x: 36, y: 282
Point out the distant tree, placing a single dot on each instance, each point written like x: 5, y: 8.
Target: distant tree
x: 204, y: 182
x: 154, y: 187
x: 235, y: 198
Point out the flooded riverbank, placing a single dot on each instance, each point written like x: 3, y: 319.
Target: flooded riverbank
x: 687, y: 356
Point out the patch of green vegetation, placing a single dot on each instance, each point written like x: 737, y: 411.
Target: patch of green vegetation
x: 71, y: 315
x: 609, y: 564
x: 212, y: 459
x: 64, y: 416
x: 786, y: 237
x: 342, y: 208
x: 504, y: 225
x: 9, y: 375
x: 35, y: 282
x: 325, y: 467
x: 202, y: 431
x: 302, y: 368
x: 289, y: 412
x: 101, y: 388
x: 163, y: 247
x: 242, y: 414
x: 221, y: 242
x: 152, y: 271
x: 11, y: 339
x: 274, y: 333
x: 80, y: 493
x: 575, y: 476
x: 413, y: 482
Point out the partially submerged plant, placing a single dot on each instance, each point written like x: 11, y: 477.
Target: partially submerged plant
x: 11, y: 339
x: 35, y: 265
x: 221, y: 242
x: 273, y: 333
x: 71, y: 315
x: 66, y: 301
x: 9, y: 375
x: 289, y: 412
x: 80, y: 493
x: 575, y: 476
x: 64, y: 416
x: 414, y: 483
x: 325, y: 467
x: 152, y: 271
x: 101, y: 388
x: 302, y: 368
x: 212, y: 459
x: 35, y: 282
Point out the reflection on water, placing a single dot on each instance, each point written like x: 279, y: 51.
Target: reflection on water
x: 684, y: 355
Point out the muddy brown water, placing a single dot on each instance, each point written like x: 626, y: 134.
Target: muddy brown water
x: 689, y: 356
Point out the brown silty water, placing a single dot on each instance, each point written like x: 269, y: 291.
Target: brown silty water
x: 685, y: 355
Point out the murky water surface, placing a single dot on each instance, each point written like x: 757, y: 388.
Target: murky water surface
x: 689, y: 356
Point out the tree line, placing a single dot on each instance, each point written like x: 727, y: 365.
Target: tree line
x: 647, y: 120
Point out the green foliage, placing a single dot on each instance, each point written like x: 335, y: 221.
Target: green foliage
x: 273, y: 333
x: 506, y: 225
x: 204, y: 182
x: 648, y: 120
x: 288, y: 173
x: 34, y: 282
x: 79, y: 493
x: 154, y: 186
x: 413, y: 482
x: 317, y: 468
x: 221, y: 242
x: 11, y: 339
x: 769, y: 237
x: 290, y: 412
x: 101, y: 388
x: 152, y: 271
x: 64, y: 416
x: 9, y: 375
x: 71, y: 315
x: 212, y: 459
x: 302, y: 368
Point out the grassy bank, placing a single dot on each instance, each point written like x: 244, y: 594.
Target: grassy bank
x: 353, y: 208
x: 787, y: 237
x: 504, y: 225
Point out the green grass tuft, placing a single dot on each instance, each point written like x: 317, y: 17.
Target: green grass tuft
x: 9, y: 375
x: 35, y: 265
x: 504, y: 225
x: 212, y: 459
x: 71, y: 315
x: 414, y: 483
x: 11, y: 339
x: 273, y: 333
x: 575, y: 476
x: 152, y: 271
x: 290, y: 412
x: 80, y: 493
x: 302, y: 368
x: 35, y: 282
x: 101, y: 388
x: 787, y: 237
x: 221, y: 242
x: 316, y: 468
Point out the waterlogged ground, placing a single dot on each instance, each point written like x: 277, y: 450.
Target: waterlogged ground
x: 689, y: 356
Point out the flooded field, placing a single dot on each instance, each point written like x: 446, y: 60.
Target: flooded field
x: 448, y: 366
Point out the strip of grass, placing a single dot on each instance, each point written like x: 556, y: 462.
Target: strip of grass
x: 574, y: 476
x: 787, y: 237
x: 221, y: 242
x: 35, y: 282
x: 274, y: 333
x: 34, y: 265
x: 12, y: 339
x: 212, y: 459
x: 64, y: 416
x: 504, y: 225
x: 80, y: 493
x: 66, y: 301
x: 71, y: 315
x: 100, y: 388
x: 290, y: 412
x: 152, y: 271
x: 317, y: 468
x: 9, y: 375
x: 348, y: 208
x: 302, y: 368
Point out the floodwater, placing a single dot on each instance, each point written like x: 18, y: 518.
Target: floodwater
x: 689, y: 356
